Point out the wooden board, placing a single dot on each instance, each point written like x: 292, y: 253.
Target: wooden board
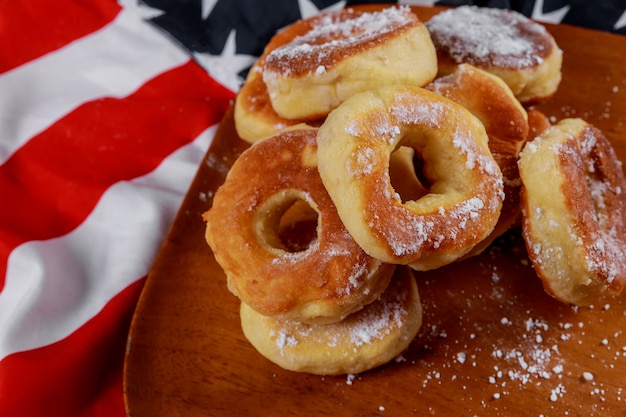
x: 492, y: 342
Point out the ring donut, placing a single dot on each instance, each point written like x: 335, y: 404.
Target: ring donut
x: 346, y: 52
x: 323, y: 282
x: 506, y: 122
x: 503, y: 42
x: 465, y: 184
x: 573, y: 206
x: 362, y: 341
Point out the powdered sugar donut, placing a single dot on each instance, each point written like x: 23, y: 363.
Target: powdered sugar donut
x: 464, y: 182
x: 506, y: 124
x: 323, y: 282
x: 364, y: 340
x: 346, y: 52
x: 504, y: 42
x: 573, y: 206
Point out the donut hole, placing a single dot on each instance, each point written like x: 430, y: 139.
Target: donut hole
x: 297, y: 229
x: 406, y: 174
x: 288, y: 223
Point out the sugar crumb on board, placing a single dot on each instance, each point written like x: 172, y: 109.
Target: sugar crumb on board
x: 533, y: 352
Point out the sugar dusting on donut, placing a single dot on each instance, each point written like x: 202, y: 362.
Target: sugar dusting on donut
x: 376, y: 325
x: 334, y: 35
x: 366, y: 326
x: 609, y: 244
x: 431, y: 113
x: 489, y: 36
x: 604, y: 256
x: 326, y: 279
x: 459, y: 216
x: 576, y: 242
x: 465, y: 192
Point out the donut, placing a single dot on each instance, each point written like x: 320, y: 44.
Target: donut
x: 573, y: 207
x: 322, y: 281
x: 464, y: 182
x: 506, y: 122
x: 364, y: 340
x: 503, y: 42
x: 346, y: 52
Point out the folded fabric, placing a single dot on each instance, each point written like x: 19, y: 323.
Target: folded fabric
x: 103, y: 122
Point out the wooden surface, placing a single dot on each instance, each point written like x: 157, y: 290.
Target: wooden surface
x: 492, y: 342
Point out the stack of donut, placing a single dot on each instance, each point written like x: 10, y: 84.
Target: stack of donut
x: 381, y: 146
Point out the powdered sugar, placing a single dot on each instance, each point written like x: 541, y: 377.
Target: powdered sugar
x: 378, y: 320
x: 420, y: 232
x: 486, y: 35
x: 378, y: 325
x: 336, y: 31
x: 284, y: 339
x: 362, y: 162
x: 428, y: 113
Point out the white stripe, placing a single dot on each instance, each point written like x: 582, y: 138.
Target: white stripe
x: 54, y: 286
x: 113, y: 61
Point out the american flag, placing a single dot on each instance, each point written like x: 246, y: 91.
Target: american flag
x: 106, y: 110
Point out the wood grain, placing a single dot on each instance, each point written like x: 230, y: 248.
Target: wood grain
x: 492, y: 343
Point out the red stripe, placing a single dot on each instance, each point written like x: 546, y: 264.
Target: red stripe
x: 79, y: 376
x: 29, y: 29
x: 52, y: 183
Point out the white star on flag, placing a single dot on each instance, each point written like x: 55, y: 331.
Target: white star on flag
x: 621, y: 22
x: 555, y: 16
x: 308, y: 8
x: 146, y: 12
x: 226, y: 66
x: 207, y: 7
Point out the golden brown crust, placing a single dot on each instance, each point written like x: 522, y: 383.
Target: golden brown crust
x: 465, y: 183
x: 255, y: 118
x: 573, y: 205
x: 364, y: 340
x: 503, y: 42
x: 323, y: 282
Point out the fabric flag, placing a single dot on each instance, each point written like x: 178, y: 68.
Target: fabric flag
x: 103, y: 122
x: 106, y: 110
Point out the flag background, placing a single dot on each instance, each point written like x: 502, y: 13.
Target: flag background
x: 106, y: 110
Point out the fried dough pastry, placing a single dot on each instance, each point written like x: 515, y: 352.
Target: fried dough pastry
x: 503, y: 42
x: 464, y: 182
x: 573, y: 206
x: 346, y: 52
x: 506, y: 122
x: 362, y: 341
x: 322, y: 282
